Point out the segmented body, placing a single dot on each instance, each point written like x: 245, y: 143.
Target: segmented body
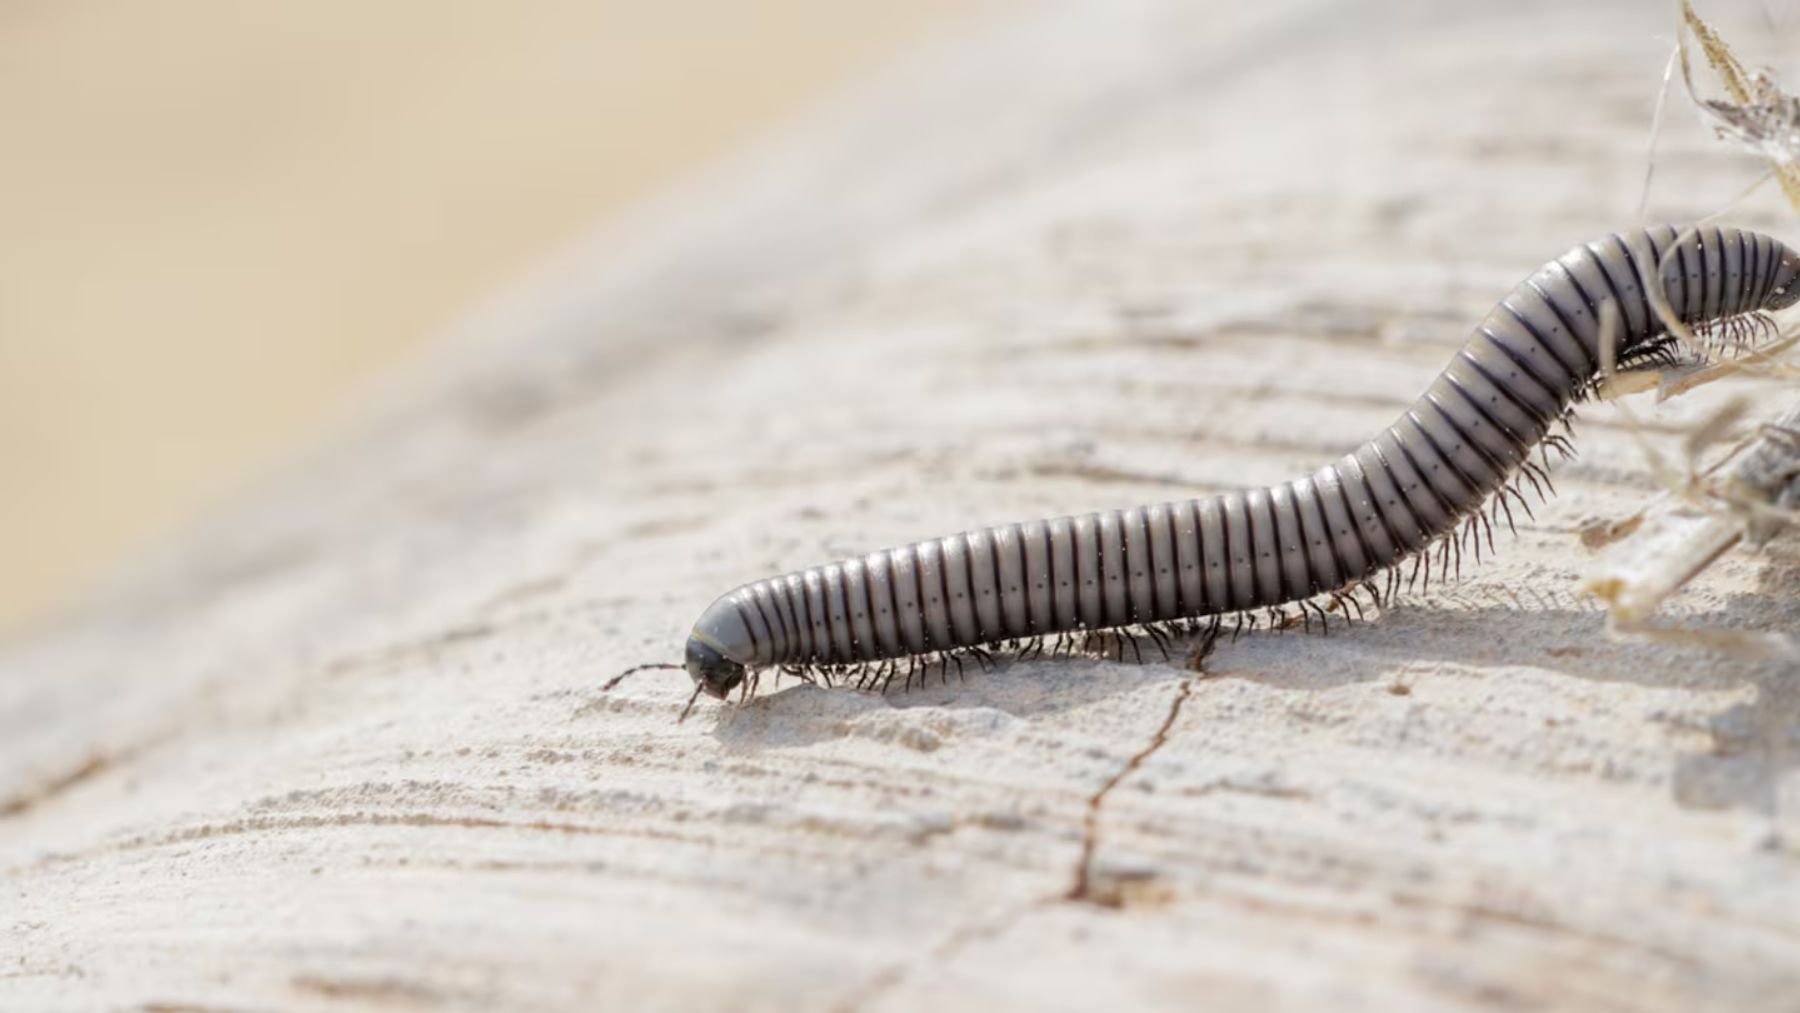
x: 1413, y: 484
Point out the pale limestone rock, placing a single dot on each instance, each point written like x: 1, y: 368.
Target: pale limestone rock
x: 344, y: 745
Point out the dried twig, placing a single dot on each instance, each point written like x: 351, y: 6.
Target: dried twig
x: 1681, y: 535
x: 1759, y: 115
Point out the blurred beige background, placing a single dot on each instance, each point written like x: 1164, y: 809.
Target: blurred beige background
x: 216, y: 217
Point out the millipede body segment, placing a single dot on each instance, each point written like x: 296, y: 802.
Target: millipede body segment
x: 1454, y: 451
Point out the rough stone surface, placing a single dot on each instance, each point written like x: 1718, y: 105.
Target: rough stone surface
x: 345, y: 746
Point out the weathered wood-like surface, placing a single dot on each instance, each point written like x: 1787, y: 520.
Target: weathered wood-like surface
x: 345, y: 746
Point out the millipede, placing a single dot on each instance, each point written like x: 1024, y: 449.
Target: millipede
x: 1425, y: 489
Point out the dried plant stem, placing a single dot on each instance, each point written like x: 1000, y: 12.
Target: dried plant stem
x: 1739, y: 84
x: 1680, y: 537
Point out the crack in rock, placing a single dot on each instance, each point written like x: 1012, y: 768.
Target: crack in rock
x: 1084, y: 885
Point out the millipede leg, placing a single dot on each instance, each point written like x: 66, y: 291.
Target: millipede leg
x: 1162, y: 643
x: 1527, y: 471
x: 1530, y: 468
x: 1324, y: 621
x: 1519, y: 494
x: 1209, y: 644
x: 1469, y: 529
x: 1500, y: 498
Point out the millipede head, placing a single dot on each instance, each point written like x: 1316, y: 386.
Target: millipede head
x: 713, y: 672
